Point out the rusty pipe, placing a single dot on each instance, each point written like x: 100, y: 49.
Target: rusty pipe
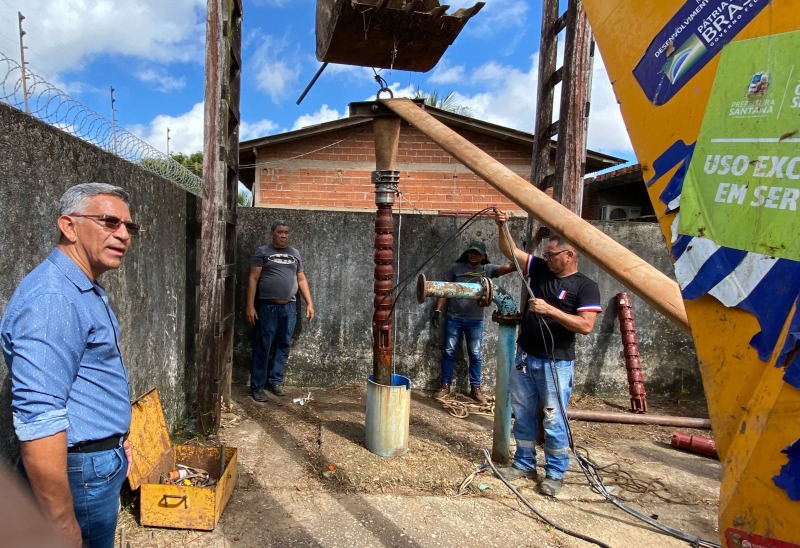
x: 507, y: 316
x: 629, y: 418
x: 695, y: 444
x: 630, y: 349
x: 386, y: 133
x: 631, y: 271
x: 482, y: 291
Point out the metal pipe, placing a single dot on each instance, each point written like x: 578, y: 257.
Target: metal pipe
x: 385, y: 178
x: 695, y: 444
x: 482, y: 291
x: 507, y: 317
x: 501, y: 428
x: 631, y: 271
x: 625, y: 418
x: 630, y: 349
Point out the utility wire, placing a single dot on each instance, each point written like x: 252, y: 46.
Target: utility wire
x: 533, y: 509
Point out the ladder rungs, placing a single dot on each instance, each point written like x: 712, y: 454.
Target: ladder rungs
x: 556, y: 77
x: 559, y: 24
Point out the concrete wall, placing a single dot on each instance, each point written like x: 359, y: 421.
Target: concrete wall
x: 149, y: 293
x: 337, y: 251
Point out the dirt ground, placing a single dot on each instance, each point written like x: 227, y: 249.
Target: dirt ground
x: 306, y: 479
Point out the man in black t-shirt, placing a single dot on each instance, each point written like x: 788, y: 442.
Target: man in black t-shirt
x: 564, y: 302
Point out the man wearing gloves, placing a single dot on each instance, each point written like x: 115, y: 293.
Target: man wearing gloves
x: 465, y: 318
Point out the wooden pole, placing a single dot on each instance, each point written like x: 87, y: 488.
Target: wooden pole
x: 625, y: 266
x: 220, y: 180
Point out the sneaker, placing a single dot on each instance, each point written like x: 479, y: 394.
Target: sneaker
x: 259, y: 395
x: 278, y: 390
x: 550, y: 486
x: 443, y: 391
x: 512, y: 473
x: 476, y: 394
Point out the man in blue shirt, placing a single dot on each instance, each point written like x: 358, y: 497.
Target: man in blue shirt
x: 70, y: 394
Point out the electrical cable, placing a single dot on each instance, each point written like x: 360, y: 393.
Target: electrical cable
x: 588, y: 467
x: 399, y: 236
x: 533, y: 509
x: 402, y: 284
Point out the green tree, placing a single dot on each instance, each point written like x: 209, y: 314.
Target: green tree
x: 446, y: 101
x: 244, y: 199
x: 193, y: 162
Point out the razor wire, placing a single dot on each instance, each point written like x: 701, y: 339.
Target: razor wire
x: 54, y: 107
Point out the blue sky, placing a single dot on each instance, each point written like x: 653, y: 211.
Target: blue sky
x: 152, y: 53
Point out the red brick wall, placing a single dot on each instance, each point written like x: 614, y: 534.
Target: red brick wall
x: 332, y: 171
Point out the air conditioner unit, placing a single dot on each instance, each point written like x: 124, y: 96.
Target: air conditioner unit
x: 619, y: 213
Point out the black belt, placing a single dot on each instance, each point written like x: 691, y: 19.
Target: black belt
x: 94, y: 446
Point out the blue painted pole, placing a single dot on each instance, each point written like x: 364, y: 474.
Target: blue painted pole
x: 507, y: 317
x: 501, y: 435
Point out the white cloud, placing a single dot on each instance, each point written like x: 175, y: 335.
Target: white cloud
x: 445, y: 75
x: 254, y: 130
x: 495, y: 17
x: 276, y: 69
x: 185, y: 131
x: 607, y: 130
x: 509, y: 99
x: 324, y: 114
x: 160, y: 80
x: 64, y: 35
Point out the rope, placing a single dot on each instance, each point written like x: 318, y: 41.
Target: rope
x: 462, y: 407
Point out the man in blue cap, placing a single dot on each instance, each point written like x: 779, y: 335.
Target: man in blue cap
x: 465, y: 318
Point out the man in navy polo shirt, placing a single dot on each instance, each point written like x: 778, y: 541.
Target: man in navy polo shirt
x: 70, y: 396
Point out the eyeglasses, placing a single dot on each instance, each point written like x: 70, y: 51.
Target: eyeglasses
x: 111, y: 222
x: 547, y: 256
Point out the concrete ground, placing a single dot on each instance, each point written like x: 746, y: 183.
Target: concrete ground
x: 306, y: 479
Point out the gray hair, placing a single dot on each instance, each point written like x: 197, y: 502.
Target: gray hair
x: 74, y: 199
x: 561, y: 243
x: 276, y: 224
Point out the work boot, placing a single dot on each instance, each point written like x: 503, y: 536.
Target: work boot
x: 476, y: 394
x: 550, y: 486
x: 259, y: 395
x: 512, y: 473
x: 278, y: 390
x: 442, y: 392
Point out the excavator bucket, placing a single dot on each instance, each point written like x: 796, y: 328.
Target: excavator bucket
x: 395, y: 34
x: 710, y: 94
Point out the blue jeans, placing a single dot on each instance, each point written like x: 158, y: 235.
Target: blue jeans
x: 275, y: 325
x: 473, y: 333
x: 531, y: 386
x: 95, y: 480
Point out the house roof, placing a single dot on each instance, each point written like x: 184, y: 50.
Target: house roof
x: 627, y: 175
x: 595, y: 161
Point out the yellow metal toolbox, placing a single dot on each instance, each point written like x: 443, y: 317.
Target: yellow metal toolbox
x: 154, y: 457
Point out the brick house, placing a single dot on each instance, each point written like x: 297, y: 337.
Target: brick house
x: 328, y: 166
